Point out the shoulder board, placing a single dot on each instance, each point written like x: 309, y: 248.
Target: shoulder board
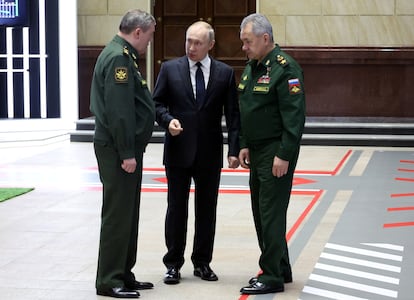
x: 126, y: 51
x: 282, y: 61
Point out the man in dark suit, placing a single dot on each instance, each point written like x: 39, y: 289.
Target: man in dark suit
x: 191, y: 94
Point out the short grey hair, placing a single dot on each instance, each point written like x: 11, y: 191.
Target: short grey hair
x: 207, y: 26
x: 260, y: 25
x: 135, y: 18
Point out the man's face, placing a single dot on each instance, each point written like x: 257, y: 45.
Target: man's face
x: 253, y: 45
x: 197, y: 43
x: 143, y: 38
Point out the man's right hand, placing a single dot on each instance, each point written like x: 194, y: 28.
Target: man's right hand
x: 129, y: 165
x: 174, y: 127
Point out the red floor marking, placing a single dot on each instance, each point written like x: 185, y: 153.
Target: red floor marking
x: 405, y: 179
x: 342, y: 162
x: 299, y: 221
x: 407, y: 161
x: 406, y: 170
x: 400, y: 208
x: 161, y: 179
x: 302, y: 217
x: 304, y: 214
x: 402, y: 224
x: 402, y: 195
x: 334, y: 172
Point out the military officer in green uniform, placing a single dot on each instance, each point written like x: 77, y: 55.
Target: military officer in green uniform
x: 272, y: 110
x: 124, y: 120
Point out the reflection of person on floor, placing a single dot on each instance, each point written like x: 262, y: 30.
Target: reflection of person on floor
x: 191, y: 94
x: 272, y: 110
x: 124, y: 120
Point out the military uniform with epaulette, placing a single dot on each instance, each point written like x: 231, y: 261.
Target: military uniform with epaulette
x: 272, y: 110
x: 124, y: 120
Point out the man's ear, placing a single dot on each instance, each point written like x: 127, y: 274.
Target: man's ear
x: 266, y: 37
x: 137, y: 32
x: 211, y: 44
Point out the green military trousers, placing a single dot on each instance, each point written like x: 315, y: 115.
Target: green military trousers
x: 270, y: 199
x: 119, y: 219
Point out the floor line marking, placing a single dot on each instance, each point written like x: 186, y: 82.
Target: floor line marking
x: 407, y: 161
x: 400, y: 224
x: 329, y: 294
x: 385, y: 246
x: 356, y: 273
x: 404, y: 179
x: 402, y: 195
x: 319, y: 237
x: 354, y: 285
x: 303, y: 215
x: 405, y: 170
x: 364, y: 252
x: 362, y: 163
x: 400, y: 208
x: 361, y: 262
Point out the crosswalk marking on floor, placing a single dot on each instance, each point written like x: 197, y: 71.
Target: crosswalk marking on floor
x: 347, y: 273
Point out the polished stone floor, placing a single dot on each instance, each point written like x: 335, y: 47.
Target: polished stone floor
x: 350, y: 226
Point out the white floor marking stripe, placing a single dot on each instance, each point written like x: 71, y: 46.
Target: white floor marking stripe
x: 356, y: 273
x: 329, y: 294
x: 361, y: 262
x: 386, y: 246
x: 355, y: 286
x: 364, y: 252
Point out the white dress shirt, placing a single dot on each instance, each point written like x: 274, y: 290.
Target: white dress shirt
x: 206, y: 62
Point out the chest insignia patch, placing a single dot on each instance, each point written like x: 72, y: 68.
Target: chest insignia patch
x: 121, y: 74
x: 294, y: 86
x: 261, y: 89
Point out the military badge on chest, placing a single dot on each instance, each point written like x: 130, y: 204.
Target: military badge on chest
x: 265, y: 79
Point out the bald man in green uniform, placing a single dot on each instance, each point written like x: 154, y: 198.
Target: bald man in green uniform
x: 272, y: 109
x: 124, y: 120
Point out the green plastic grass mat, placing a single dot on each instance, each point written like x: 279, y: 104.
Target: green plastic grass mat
x: 9, y: 193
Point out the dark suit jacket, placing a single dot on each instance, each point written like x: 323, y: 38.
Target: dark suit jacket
x: 201, y: 141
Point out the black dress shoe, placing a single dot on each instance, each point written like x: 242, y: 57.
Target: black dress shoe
x: 172, y: 276
x: 138, y: 285
x: 261, y: 288
x: 287, y: 279
x: 118, y: 292
x: 205, y: 272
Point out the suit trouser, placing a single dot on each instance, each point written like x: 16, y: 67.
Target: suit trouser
x: 206, y: 182
x: 270, y: 199
x: 119, y: 219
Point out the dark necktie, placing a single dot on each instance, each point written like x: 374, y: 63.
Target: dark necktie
x: 200, y: 85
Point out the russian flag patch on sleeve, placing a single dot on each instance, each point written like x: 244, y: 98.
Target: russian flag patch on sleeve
x: 294, y: 86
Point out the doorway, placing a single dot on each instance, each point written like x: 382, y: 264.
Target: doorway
x: 173, y: 18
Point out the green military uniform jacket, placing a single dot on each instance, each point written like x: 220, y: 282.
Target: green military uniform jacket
x: 120, y: 100
x: 272, y: 103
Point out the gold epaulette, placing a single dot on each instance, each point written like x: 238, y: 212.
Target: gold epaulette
x: 126, y: 51
x: 281, y: 60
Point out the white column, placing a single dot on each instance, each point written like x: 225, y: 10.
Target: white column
x: 43, y: 56
x: 68, y: 57
x: 10, y: 81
